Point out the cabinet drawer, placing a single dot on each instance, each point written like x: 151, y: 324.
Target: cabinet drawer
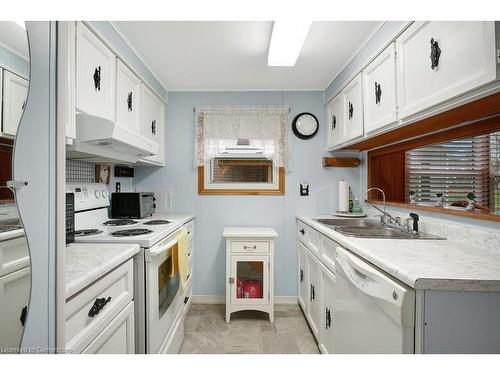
x: 309, y: 237
x: 441, y: 60
x: 250, y: 246
x: 13, y: 255
x: 81, y: 328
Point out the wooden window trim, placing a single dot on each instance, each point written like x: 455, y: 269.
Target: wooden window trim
x: 204, y: 191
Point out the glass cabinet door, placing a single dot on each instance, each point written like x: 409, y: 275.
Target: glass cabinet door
x: 250, y: 276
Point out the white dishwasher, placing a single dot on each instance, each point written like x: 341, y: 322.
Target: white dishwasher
x: 373, y: 313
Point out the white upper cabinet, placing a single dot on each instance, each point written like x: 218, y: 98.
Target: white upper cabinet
x: 128, y: 98
x: 95, y: 75
x: 440, y: 60
x: 153, y: 123
x: 15, y: 90
x: 353, y: 110
x: 379, y: 91
x: 334, y: 122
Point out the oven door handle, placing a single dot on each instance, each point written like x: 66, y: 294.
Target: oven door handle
x: 154, y: 252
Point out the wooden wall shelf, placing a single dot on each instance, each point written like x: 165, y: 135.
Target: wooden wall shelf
x: 341, y: 162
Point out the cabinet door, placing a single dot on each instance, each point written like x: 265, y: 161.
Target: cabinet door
x: 95, y: 75
x: 153, y: 123
x: 128, y: 98
x: 440, y: 60
x: 15, y: 90
x: 334, y: 122
x: 379, y: 91
x: 14, y: 288
x: 117, y: 337
x: 303, y: 279
x: 249, y: 279
x: 314, y: 308
x: 353, y: 110
x: 327, y: 303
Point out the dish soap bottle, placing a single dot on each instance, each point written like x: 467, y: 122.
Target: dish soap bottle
x: 350, y: 200
x: 357, y: 207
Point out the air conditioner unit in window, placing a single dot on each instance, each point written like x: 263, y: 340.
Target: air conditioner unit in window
x: 242, y: 148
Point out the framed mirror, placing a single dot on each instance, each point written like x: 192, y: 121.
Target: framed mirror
x: 14, y: 251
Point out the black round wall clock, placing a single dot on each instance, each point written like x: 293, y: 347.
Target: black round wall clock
x: 305, y: 125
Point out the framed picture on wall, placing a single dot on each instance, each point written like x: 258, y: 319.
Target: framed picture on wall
x: 102, y: 173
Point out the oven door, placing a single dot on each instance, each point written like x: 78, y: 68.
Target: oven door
x: 163, y: 297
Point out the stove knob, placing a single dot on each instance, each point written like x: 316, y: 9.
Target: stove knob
x: 104, y: 193
x: 97, y: 194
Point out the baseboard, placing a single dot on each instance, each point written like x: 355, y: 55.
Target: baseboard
x: 220, y: 300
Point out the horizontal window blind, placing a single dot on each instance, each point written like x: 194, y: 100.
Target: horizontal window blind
x: 242, y: 170
x: 454, y: 168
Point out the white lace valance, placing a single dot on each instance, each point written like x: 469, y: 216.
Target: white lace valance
x: 219, y: 127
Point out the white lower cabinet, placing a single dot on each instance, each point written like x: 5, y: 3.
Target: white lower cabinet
x: 117, y: 337
x: 327, y: 297
x: 303, y: 286
x: 100, y: 317
x: 14, y: 288
x: 314, y: 305
x: 440, y: 60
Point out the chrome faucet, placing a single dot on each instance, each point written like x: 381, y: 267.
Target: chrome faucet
x: 385, y: 217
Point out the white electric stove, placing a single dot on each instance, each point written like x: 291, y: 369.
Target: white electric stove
x: 157, y: 296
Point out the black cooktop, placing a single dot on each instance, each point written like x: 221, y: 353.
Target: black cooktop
x: 157, y: 222
x: 131, y: 232
x: 87, y: 232
x: 118, y: 222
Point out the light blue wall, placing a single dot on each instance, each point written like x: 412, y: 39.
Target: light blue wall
x: 14, y: 63
x: 216, y: 212
x: 114, y: 39
x: 387, y: 32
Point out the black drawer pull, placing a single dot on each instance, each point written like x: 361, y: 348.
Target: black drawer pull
x: 186, y: 299
x: 378, y: 93
x: 435, y: 53
x: 97, y: 78
x: 301, y: 275
x: 254, y: 247
x: 302, y: 231
x: 153, y: 130
x: 24, y: 312
x: 129, y: 101
x: 99, y: 304
x: 334, y: 121
x: 328, y: 318
x: 351, y: 110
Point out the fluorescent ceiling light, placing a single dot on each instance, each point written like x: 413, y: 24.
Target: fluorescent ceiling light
x: 21, y: 23
x: 286, y: 42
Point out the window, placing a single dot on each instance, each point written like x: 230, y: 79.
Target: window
x: 241, y: 150
x: 455, y: 169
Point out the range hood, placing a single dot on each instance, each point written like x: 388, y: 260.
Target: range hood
x: 101, y: 140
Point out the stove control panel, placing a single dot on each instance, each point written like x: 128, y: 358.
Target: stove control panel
x: 88, y: 195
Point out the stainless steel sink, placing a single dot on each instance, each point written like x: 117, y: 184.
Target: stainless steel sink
x: 349, y: 222
x: 366, y: 228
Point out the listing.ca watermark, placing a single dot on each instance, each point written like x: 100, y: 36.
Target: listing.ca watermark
x: 32, y: 350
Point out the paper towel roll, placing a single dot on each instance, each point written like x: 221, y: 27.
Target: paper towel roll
x: 343, y: 196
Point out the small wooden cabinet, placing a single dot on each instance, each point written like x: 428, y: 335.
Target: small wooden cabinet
x: 15, y: 91
x: 249, y: 270
x: 95, y: 75
x: 379, y: 91
x: 440, y: 60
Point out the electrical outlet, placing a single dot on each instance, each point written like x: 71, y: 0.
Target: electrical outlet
x: 304, y: 189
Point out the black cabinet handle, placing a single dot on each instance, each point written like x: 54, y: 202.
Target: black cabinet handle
x: 312, y: 293
x: 153, y: 130
x: 186, y: 299
x: 378, y: 92
x: 334, y: 121
x: 24, y: 312
x: 97, y: 78
x: 435, y: 53
x: 129, y: 101
x: 351, y: 110
x: 328, y: 318
x: 98, y: 305
x: 302, y: 231
x: 301, y: 275
x: 24, y: 105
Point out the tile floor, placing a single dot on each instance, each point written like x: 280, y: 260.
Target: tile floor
x: 206, y: 331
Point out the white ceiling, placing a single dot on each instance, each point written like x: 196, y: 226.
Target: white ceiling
x: 14, y: 37
x: 227, y: 55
